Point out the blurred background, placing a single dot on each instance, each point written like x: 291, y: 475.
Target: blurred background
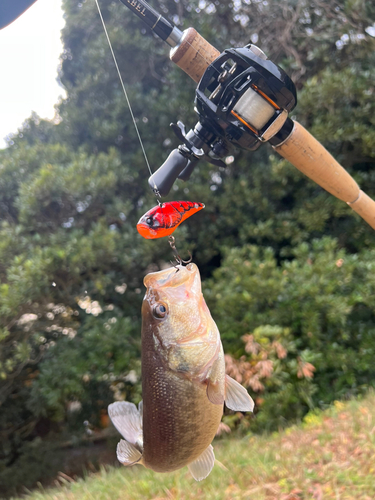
x: 288, y: 270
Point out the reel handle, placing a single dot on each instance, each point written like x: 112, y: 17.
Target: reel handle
x: 194, y: 54
x: 162, y: 180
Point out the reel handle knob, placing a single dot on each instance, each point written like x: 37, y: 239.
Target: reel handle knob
x: 188, y: 170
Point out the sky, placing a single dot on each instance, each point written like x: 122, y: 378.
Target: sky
x: 29, y: 57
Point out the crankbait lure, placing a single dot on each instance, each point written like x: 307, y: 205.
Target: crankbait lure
x: 162, y: 220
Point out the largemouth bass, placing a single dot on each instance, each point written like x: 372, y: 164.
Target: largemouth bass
x: 184, y: 384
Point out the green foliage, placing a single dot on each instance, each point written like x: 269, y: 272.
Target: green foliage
x: 277, y: 374
x: 102, y: 352
x: 39, y: 460
x: 349, y: 90
x: 65, y: 244
x: 324, y: 297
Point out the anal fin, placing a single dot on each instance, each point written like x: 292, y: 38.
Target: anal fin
x: 236, y: 396
x: 127, y: 453
x: 127, y: 419
x: 202, y: 466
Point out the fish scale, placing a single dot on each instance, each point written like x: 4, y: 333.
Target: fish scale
x: 171, y: 436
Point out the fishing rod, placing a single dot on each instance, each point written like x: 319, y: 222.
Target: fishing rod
x: 242, y: 99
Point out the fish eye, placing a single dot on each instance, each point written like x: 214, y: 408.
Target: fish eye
x: 149, y: 221
x: 159, y: 311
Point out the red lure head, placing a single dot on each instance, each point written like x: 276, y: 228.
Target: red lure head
x: 162, y: 220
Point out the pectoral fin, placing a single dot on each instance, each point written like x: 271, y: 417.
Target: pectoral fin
x: 203, y: 465
x: 216, y: 380
x: 236, y: 396
x: 215, y: 393
x: 128, y: 421
x: 127, y: 453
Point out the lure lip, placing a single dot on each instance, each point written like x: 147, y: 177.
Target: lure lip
x: 151, y: 234
x: 146, y: 231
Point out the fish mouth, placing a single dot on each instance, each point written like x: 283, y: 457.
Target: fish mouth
x: 171, y: 277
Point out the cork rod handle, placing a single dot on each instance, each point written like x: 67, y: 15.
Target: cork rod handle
x: 311, y: 158
x: 193, y: 54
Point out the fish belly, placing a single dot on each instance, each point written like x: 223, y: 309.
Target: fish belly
x: 179, y: 421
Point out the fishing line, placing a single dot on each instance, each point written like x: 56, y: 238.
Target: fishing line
x: 125, y: 93
x: 200, y: 51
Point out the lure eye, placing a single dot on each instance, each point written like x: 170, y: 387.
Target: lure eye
x: 149, y: 221
x: 159, y: 311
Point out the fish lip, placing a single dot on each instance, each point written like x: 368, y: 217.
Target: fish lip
x: 170, y: 277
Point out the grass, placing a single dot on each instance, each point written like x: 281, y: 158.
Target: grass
x: 330, y: 455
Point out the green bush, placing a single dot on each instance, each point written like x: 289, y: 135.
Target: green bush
x: 320, y: 306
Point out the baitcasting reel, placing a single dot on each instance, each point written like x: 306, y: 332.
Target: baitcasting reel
x: 242, y: 100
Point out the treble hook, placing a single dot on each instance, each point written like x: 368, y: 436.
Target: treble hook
x: 178, y: 259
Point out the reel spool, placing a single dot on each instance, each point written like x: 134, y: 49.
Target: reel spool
x: 242, y: 100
